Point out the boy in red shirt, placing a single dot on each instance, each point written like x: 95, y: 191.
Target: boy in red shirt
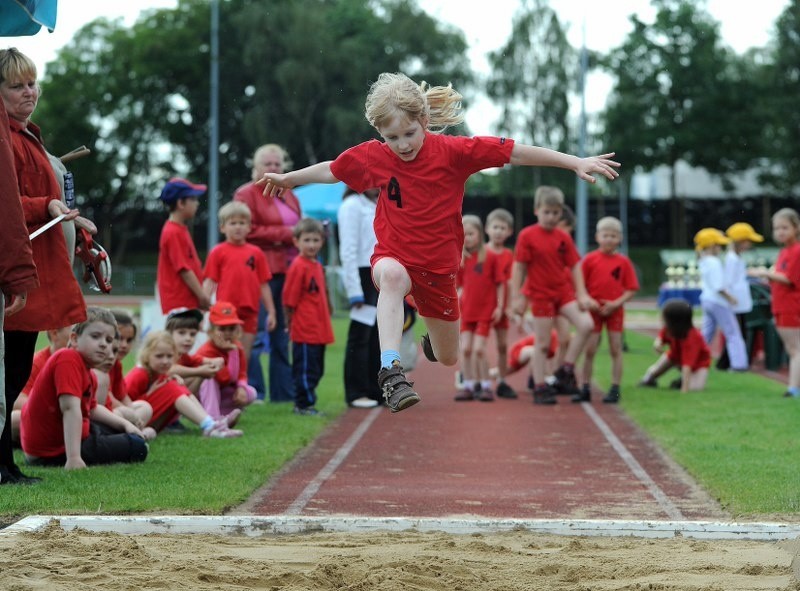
x: 611, y: 281
x: 62, y: 424
x: 308, y: 316
x: 542, y: 253
x: 179, y: 270
x: 184, y: 325
x: 239, y: 273
x: 58, y: 339
x: 499, y: 228
x: 421, y: 174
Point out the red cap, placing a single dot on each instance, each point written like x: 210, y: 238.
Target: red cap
x: 223, y: 314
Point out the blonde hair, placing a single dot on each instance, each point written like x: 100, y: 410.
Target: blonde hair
x: 286, y: 162
x: 609, y: 224
x: 151, y: 341
x: 502, y: 215
x: 548, y: 196
x: 233, y: 209
x: 15, y: 66
x: 790, y: 216
x: 475, y: 222
x: 393, y: 93
x: 96, y: 314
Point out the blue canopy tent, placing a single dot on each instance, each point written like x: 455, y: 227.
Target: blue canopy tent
x: 321, y: 200
x: 26, y: 17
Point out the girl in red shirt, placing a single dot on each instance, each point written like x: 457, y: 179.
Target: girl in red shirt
x: 481, y: 299
x: 151, y: 381
x: 421, y: 175
x: 681, y: 345
x: 785, y: 285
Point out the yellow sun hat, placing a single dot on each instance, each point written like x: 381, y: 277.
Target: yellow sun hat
x: 708, y: 237
x: 743, y: 231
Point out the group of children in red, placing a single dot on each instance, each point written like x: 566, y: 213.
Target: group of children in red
x: 541, y: 274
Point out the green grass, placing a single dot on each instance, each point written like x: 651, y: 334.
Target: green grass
x: 186, y: 473
x: 738, y: 438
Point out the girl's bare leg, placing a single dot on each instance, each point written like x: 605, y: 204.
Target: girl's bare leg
x: 444, y: 339
x: 393, y: 285
x: 697, y: 381
x: 791, y: 342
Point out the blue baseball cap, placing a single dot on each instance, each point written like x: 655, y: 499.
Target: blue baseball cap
x: 178, y: 188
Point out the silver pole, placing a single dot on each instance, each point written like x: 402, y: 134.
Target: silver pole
x: 213, y: 148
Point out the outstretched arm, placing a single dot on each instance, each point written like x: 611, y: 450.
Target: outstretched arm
x: 274, y: 184
x: 524, y: 155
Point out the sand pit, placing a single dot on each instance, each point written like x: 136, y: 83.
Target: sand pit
x: 54, y: 559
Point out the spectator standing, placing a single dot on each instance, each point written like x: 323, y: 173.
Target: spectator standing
x: 356, y: 243
x: 273, y: 218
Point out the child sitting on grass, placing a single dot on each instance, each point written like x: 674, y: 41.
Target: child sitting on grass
x: 686, y: 349
x: 184, y: 325
x: 227, y: 390
x: 150, y: 381
x: 62, y: 424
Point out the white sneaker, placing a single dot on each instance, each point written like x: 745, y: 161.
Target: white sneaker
x: 364, y: 402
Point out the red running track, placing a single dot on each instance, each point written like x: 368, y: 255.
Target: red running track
x: 501, y: 459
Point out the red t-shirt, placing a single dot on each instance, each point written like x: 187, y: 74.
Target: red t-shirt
x: 223, y: 376
x: 176, y: 253
x: 418, y: 218
x: 239, y: 271
x: 786, y: 298
x: 42, y: 427
x: 305, y: 291
x: 479, y: 283
x: 608, y: 276
x: 692, y: 350
x: 39, y: 361
x: 546, y: 254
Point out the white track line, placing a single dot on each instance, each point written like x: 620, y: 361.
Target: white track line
x: 297, y: 506
x: 661, y: 498
x: 266, y: 525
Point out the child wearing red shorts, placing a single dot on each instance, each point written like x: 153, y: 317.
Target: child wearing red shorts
x: 421, y: 175
x: 611, y: 281
x: 785, y: 284
x: 239, y: 273
x: 482, y: 285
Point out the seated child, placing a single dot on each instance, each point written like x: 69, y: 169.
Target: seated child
x: 112, y: 394
x: 687, y: 349
x: 62, y: 424
x: 184, y: 325
x: 521, y: 352
x: 58, y: 339
x: 227, y: 391
x: 166, y: 394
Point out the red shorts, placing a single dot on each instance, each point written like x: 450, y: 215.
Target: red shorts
x: 163, y: 401
x: 548, y: 307
x: 501, y: 324
x: 614, y: 323
x: 434, y: 295
x: 480, y: 328
x: 249, y: 318
x: 787, y: 320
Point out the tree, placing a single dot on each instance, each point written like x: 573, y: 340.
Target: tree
x: 294, y: 72
x: 677, y: 96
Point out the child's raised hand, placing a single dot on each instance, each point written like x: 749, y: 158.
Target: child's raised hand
x: 274, y: 183
x: 597, y: 164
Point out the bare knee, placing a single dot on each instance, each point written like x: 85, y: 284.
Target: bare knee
x: 394, y: 279
x: 448, y: 359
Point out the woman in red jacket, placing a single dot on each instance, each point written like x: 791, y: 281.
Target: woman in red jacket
x: 58, y: 301
x: 272, y: 223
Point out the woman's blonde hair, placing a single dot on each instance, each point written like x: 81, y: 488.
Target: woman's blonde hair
x: 274, y: 149
x: 393, y: 93
x: 151, y: 341
x: 15, y: 66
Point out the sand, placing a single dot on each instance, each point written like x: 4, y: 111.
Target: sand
x: 53, y: 559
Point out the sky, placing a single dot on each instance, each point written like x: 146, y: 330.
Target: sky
x: 605, y: 24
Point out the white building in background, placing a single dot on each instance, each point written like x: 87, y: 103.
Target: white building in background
x: 692, y: 182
